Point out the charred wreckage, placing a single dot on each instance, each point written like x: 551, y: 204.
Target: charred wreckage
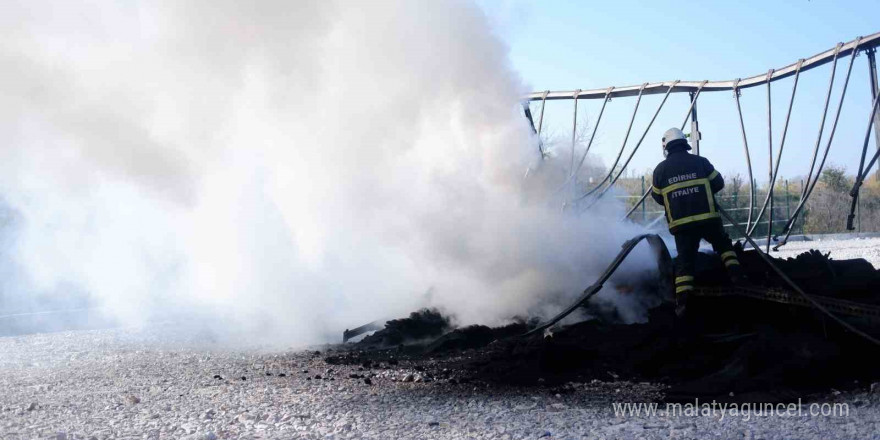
x: 797, y: 326
x: 800, y: 326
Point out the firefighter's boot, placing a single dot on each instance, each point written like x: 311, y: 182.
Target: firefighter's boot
x: 734, y: 270
x: 683, y: 285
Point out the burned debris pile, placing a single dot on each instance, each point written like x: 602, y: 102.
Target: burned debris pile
x: 813, y: 271
x: 420, y: 326
x: 727, y: 347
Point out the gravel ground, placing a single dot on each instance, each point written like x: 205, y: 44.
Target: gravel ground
x: 123, y: 383
x: 867, y: 248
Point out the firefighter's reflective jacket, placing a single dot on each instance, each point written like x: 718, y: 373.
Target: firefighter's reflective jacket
x: 685, y: 184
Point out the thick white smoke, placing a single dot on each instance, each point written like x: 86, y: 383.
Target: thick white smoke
x: 283, y: 168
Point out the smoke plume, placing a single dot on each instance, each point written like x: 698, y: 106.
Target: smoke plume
x: 280, y: 168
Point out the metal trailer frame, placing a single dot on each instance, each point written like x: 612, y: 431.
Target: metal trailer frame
x: 870, y: 41
x: 866, y: 44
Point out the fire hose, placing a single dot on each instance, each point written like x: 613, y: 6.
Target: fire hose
x: 661, y: 252
x: 663, y: 258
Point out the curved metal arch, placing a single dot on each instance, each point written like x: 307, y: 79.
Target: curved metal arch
x: 842, y: 49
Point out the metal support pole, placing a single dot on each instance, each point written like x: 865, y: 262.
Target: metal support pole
x: 528, y: 113
x: 574, y: 129
x: 872, y: 65
x: 821, y: 129
x: 787, y: 200
x: 770, y: 220
x: 639, y: 143
x: 644, y: 213
x: 541, y: 125
x: 859, y: 210
x: 812, y: 184
x: 541, y: 118
x: 863, y: 171
x: 804, y: 221
x: 573, y: 175
x: 622, y: 147
x: 775, y: 171
x: 694, y: 98
x: 742, y: 128
x: 736, y: 200
x: 770, y: 157
x: 695, y: 125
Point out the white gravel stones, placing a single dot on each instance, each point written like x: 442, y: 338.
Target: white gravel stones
x: 867, y: 248
x: 179, y: 397
x: 205, y: 436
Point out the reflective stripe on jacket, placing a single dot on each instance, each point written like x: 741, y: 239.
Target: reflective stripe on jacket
x: 685, y: 184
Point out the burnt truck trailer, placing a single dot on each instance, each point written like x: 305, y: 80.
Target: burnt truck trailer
x: 799, y: 325
x: 764, y: 342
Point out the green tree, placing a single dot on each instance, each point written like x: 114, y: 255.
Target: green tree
x: 834, y: 178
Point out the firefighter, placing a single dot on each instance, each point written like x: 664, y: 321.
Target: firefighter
x: 685, y: 184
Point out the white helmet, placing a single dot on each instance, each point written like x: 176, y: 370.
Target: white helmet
x: 673, y: 135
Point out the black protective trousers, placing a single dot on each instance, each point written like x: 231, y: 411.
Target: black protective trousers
x: 687, y: 242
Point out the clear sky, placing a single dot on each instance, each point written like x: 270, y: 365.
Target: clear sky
x: 566, y: 45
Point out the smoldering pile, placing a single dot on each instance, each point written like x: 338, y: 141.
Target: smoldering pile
x: 726, y: 348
